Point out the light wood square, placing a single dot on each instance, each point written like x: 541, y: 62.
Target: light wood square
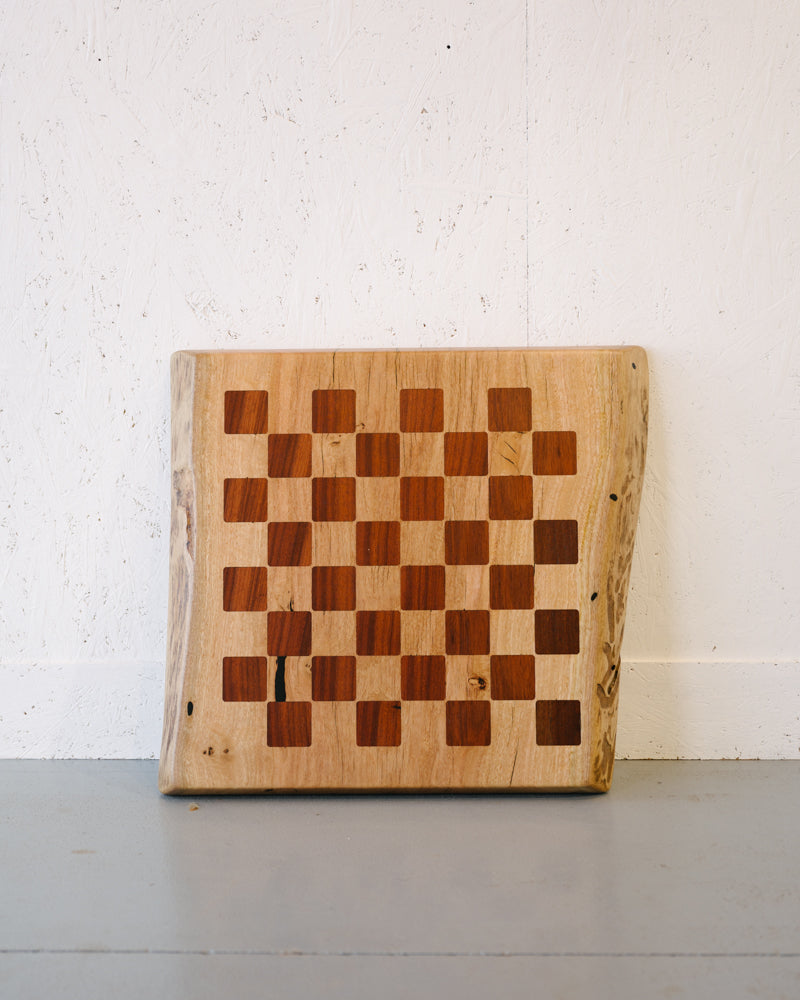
x: 289, y: 588
x: 422, y: 454
x: 297, y: 678
x: 378, y: 588
x: 333, y: 455
x: 511, y: 632
x: 422, y: 633
x: 378, y: 678
x: 510, y: 453
x: 333, y: 543
x: 511, y: 542
x: 466, y: 587
x: 333, y: 633
x: 466, y: 498
x: 378, y: 498
x: 468, y: 678
x: 290, y: 499
x: 422, y: 543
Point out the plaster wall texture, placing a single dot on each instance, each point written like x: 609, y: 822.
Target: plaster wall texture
x: 440, y: 174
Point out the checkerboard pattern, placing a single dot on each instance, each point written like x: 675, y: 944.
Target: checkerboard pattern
x: 393, y: 572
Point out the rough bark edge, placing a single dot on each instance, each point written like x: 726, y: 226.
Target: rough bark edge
x: 629, y: 464
x: 183, y: 520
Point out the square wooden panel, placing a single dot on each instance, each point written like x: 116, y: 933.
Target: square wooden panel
x: 422, y: 410
x: 333, y: 499
x: 246, y: 500
x: 333, y: 411
x: 356, y: 598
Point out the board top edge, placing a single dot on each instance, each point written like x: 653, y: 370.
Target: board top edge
x: 600, y: 349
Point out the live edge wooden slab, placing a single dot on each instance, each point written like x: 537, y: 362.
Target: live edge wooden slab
x: 399, y: 570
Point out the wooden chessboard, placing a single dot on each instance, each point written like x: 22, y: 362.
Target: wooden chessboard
x: 399, y: 569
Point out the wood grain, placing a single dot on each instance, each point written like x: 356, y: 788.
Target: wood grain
x: 510, y: 409
x: 333, y: 588
x: 246, y: 411
x: 244, y: 678
x: 513, y: 677
x: 244, y: 588
x: 421, y: 410
x: 377, y: 454
x: 422, y: 588
x: 467, y: 633
x: 289, y: 633
x: 466, y: 543
x: 466, y: 453
x: 422, y: 498
x: 511, y: 587
x: 378, y: 543
x: 289, y: 724
x: 378, y: 723
x: 246, y: 500
x: 555, y: 453
x: 469, y: 724
x: 333, y: 411
x: 289, y: 543
x: 289, y: 456
x: 411, y: 542
x: 558, y: 723
x: 423, y: 678
x: 557, y: 631
x: 510, y: 498
x: 333, y: 678
x: 378, y: 633
x: 333, y: 499
x: 555, y: 542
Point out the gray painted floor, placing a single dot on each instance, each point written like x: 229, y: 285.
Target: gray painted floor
x: 683, y: 881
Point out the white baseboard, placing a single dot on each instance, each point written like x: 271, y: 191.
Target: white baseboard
x: 711, y: 710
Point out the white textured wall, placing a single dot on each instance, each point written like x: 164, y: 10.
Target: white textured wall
x: 273, y: 174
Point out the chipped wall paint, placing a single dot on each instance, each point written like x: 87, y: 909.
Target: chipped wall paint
x: 397, y: 174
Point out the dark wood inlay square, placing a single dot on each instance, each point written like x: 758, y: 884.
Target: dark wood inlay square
x: 466, y: 543
x: 555, y: 542
x: 289, y: 543
x: 378, y: 633
x: 423, y: 678
x: 333, y: 499
x: 244, y: 678
x: 466, y: 453
x: 378, y: 543
x: 333, y: 411
x: 469, y: 723
x: 557, y: 631
x: 422, y: 588
x: 333, y: 678
x: 555, y: 453
x: 289, y: 724
x: 467, y: 633
x: 246, y: 411
x: 378, y: 723
x: 513, y: 678
x: 421, y: 410
x: 510, y: 410
x: 244, y: 588
x: 289, y: 633
x: 333, y: 588
x: 377, y: 454
x: 245, y: 500
x: 558, y: 723
x: 289, y: 456
x: 510, y: 498
x: 511, y: 587
x: 422, y: 498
